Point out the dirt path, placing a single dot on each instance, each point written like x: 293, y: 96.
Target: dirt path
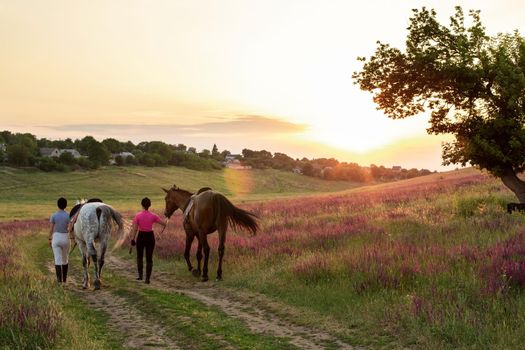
x: 258, y: 319
x: 138, y: 332
x: 256, y: 312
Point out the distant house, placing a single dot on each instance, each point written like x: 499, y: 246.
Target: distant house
x: 56, y: 152
x: 327, y: 172
x: 232, y: 161
x: 74, y: 152
x: 236, y: 164
x: 123, y: 155
x: 231, y: 157
x: 396, y: 169
x: 49, y: 152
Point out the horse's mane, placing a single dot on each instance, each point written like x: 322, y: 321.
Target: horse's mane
x: 183, y: 191
x: 94, y: 200
x: 79, y: 204
x: 203, y: 189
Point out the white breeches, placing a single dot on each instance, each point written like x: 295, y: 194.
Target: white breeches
x: 60, y: 244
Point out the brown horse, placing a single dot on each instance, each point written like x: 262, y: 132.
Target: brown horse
x: 206, y: 212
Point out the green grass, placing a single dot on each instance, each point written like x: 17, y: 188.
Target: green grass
x: 361, y: 306
x: 190, y: 323
x: 56, y: 319
x: 33, y: 193
x: 359, y: 291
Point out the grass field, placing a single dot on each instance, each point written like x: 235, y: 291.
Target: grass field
x: 36, y: 313
x: 35, y: 192
x: 433, y: 262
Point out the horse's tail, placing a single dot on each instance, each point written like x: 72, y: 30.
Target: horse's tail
x: 236, y: 217
x: 110, y: 213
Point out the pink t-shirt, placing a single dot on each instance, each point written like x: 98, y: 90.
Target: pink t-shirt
x: 145, y: 220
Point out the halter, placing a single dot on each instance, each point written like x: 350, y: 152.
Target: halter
x: 187, y: 208
x: 187, y: 203
x: 175, y: 188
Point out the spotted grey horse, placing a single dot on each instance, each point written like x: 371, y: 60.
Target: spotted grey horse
x: 94, y: 225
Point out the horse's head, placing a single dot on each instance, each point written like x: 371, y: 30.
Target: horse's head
x: 175, y: 198
x: 171, y: 206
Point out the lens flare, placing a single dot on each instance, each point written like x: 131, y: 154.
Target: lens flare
x: 238, y: 182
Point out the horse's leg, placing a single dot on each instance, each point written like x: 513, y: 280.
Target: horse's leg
x: 85, y: 263
x: 197, y: 272
x: 204, y: 238
x: 93, y: 253
x: 103, y: 246
x: 222, y: 241
x: 189, y: 241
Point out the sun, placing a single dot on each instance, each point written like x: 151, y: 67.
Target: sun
x: 357, y: 142
x: 360, y: 131
x: 352, y: 137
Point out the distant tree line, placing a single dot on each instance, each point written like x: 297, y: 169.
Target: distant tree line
x: 327, y: 168
x: 24, y: 150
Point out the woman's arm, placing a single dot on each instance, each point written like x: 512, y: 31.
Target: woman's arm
x: 51, y: 231
x: 133, y: 231
x: 71, y: 225
x: 162, y: 223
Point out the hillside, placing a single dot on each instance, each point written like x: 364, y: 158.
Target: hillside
x: 32, y: 194
x: 428, y: 263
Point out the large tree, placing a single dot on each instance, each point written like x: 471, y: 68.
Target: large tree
x: 98, y: 154
x: 472, y: 84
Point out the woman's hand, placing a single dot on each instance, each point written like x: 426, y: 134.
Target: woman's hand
x: 51, y: 232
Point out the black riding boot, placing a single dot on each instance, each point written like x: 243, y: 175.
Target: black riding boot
x: 64, y: 272
x: 139, y: 269
x: 149, y: 267
x: 58, y: 270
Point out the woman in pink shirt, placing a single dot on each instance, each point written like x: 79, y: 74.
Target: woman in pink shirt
x: 143, y: 223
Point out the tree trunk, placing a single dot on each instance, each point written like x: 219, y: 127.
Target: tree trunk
x: 515, y: 184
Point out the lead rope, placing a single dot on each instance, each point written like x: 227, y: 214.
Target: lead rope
x: 162, y: 231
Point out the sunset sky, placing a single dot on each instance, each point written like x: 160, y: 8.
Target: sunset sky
x: 267, y: 74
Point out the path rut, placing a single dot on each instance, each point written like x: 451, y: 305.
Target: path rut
x: 137, y: 331
x: 236, y: 305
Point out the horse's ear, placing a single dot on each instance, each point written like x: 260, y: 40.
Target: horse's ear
x: 165, y: 190
x: 175, y: 187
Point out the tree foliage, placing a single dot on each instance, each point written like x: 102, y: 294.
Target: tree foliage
x: 473, y: 86
x: 98, y: 154
x: 22, y: 151
x: 18, y: 155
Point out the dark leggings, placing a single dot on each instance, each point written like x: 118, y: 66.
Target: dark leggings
x: 145, y: 240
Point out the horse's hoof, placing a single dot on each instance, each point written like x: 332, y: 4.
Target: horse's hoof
x: 84, y: 287
x: 218, y: 279
x: 196, y: 273
x: 204, y: 279
x: 97, y: 285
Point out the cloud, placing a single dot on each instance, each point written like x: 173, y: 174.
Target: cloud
x: 244, y: 125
